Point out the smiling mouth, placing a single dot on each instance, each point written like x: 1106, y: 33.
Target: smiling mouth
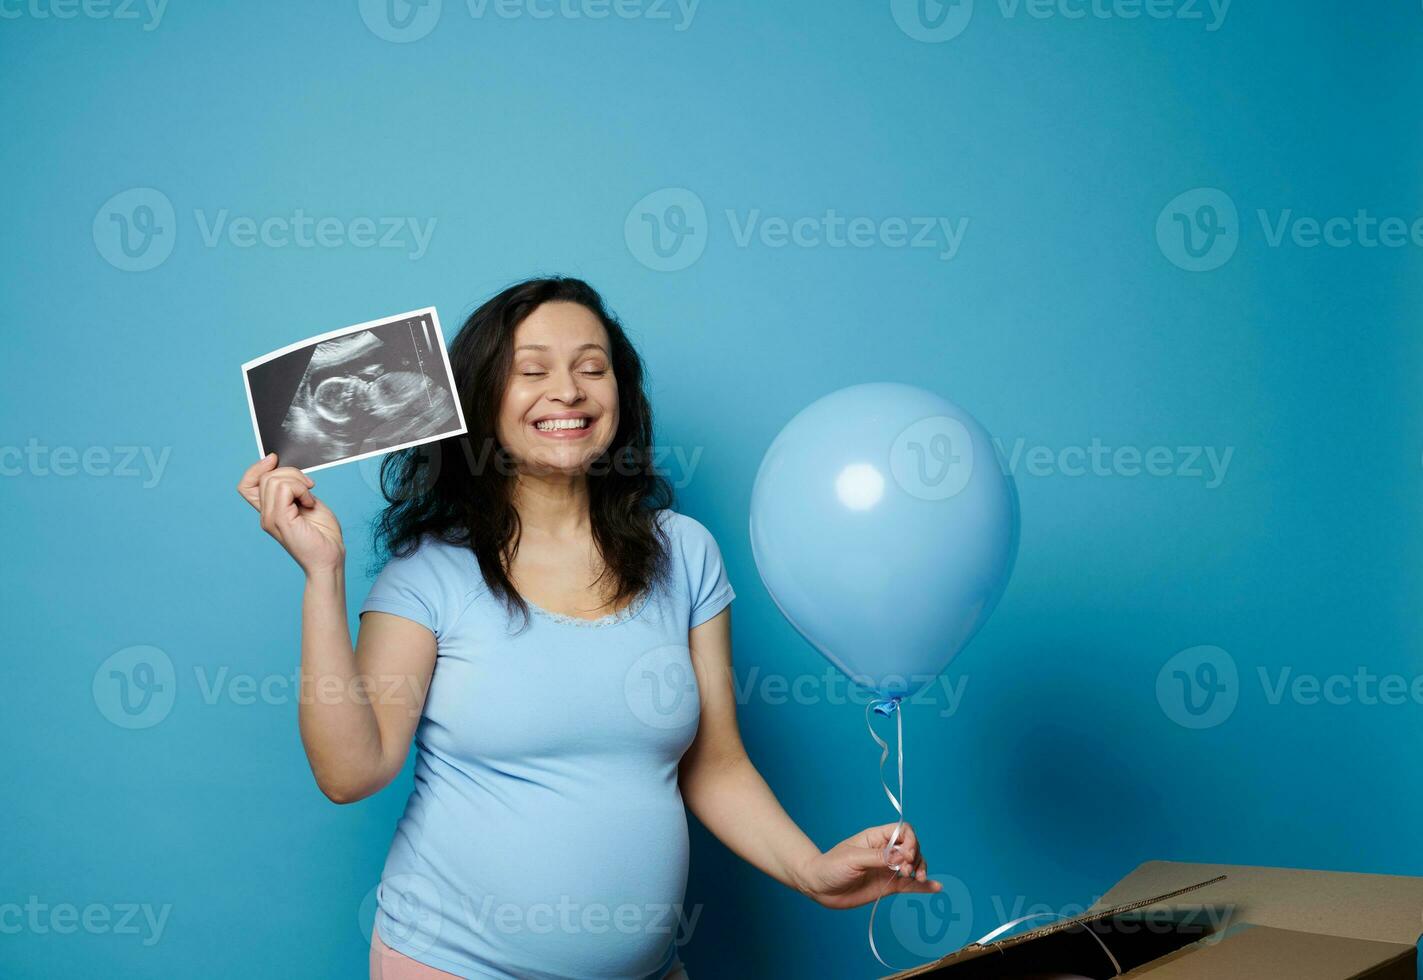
x: 562, y: 425
x: 565, y: 429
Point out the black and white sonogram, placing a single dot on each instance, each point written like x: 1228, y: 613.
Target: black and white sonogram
x: 354, y: 392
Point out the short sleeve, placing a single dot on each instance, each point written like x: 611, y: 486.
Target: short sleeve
x: 711, y: 592
x: 408, y: 587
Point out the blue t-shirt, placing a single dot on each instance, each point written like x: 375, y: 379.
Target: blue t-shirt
x: 545, y: 837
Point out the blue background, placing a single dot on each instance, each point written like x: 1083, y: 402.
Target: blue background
x: 1060, y: 320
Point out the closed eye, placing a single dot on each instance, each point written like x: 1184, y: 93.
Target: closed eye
x: 539, y: 374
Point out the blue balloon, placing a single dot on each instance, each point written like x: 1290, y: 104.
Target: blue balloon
x: 885, y: 528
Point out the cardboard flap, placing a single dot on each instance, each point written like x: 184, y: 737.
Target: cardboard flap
x: 1249, y: 952
x: 1384, y: 908
x: 973, y: 950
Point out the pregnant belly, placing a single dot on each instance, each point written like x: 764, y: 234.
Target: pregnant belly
x: 563, y: 889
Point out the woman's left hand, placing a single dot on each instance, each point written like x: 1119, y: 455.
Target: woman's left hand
x: 854, y: 872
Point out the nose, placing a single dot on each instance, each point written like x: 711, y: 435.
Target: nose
x: 564, y: 388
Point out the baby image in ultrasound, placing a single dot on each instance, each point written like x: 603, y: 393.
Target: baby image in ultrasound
x: 361, y: 391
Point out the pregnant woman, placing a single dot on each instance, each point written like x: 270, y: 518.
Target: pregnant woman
x: 557, y: 641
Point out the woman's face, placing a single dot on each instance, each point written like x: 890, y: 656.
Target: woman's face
x: 561, y: 370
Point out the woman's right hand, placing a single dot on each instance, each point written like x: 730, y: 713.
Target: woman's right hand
x: 303, y: 525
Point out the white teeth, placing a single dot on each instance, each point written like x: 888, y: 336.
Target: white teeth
x: 562, y: 424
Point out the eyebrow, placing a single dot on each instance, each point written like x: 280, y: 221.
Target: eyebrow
x: 580, y: 347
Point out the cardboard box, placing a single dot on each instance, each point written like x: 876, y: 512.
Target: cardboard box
x: 1169, y: 920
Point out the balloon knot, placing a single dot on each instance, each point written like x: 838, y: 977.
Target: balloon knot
x: 887, y: 707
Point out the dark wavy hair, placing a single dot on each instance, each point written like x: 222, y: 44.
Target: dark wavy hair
x: 459, y: 488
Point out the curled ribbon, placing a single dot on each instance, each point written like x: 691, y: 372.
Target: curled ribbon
x: 891, y: 706
x: 888, y: 706
x: 995, y: 933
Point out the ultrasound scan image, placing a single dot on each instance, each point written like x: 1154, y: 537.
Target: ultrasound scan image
x: 349, y: 396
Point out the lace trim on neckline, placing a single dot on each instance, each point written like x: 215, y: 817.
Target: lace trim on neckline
x: 611, y: 619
